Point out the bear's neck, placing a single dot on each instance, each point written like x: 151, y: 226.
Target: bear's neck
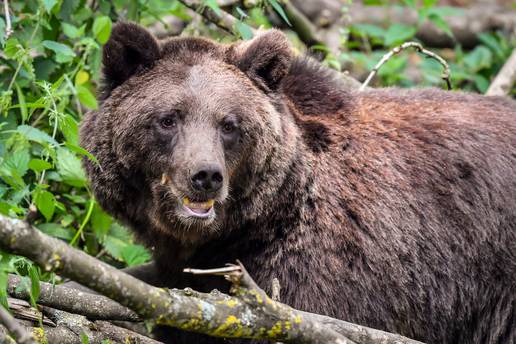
x: 315, y: 90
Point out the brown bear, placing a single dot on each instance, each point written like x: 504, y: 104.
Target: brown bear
x: 390, y: 208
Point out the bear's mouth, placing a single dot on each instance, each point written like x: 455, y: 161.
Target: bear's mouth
x: 198, y: 209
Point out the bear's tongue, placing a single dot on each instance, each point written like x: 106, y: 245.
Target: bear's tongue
x: 198, y: 207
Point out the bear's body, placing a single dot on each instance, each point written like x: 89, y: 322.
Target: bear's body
x: 393, y: 209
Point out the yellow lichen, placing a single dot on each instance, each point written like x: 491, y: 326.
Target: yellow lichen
x: 297, y: 319
x: 257, y: 296
x: 276, y: 330
x: 39, y: 335
x: 231, y: 327
x: 231, y: 303
x: 190, y: 324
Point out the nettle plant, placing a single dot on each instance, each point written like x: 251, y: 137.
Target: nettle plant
x: 48, y: 75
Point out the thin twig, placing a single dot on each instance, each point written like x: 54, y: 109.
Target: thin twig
x: 504, y: 80
x: 14, y: 328
x: 445, y: 75
x: 218, y: 271
x: 8, y: 25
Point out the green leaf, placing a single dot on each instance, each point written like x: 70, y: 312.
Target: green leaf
x: 244, y: 30
x: 72, y: 31
x: 34, y: 284
x: 429, y: 3
x: 49, y: 5
x: 86, y: 97
x: 479, y: 58
x: 38, y: 165
x: 135, y: 255
x: 481, y: 83
x: 12, y: 47
x: 56, y: 230
x: 36, y: 135
x: 410, y: 3
x: 70, y: 169
x: 63, y: 52
x: 277, y: 7
x: 3, y: 288
x: 214, y: 6
x: 70, y: 129
x: 45, y: 202
x: 399, y: 33
x: 17, y: 163
x: 439, y: 22
x: 490, y: 41
x: 82, y: 151
x: 100, y: 221
x: 102, y: 29
x: 81, y: 77
x: 369, y: 30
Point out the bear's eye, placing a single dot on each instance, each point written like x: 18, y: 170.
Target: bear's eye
x: 228, y: 127
x: 168, y: 122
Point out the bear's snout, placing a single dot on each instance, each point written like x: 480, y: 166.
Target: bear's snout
x: 207, y: 178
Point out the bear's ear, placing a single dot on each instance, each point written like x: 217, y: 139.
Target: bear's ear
x: 265, y: 59
x: 130, y: 48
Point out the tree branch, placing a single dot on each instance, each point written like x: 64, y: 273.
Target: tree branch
x: 223, y: 19
x: 505, y: 78
x: 14, y: 328
x: 221, y: 315
x: 95, y: 307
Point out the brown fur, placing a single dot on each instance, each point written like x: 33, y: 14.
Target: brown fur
x: 390, y: 208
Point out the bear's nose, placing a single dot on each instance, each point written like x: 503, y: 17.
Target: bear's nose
x: 207, y: 179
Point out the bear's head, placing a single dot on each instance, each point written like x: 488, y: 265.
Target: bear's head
x: 191, y: 134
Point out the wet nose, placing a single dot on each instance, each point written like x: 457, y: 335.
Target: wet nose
x: 207, y: 179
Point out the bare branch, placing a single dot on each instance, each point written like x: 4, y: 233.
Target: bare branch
x: 505, y: 78
x: 8, y: 25
x: 445, y: 75
x: 95, y: 307
x: 14, y: 328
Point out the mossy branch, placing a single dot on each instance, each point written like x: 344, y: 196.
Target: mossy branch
x: 250, y: 313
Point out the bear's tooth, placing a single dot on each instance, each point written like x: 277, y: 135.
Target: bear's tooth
x: 164, y: 179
